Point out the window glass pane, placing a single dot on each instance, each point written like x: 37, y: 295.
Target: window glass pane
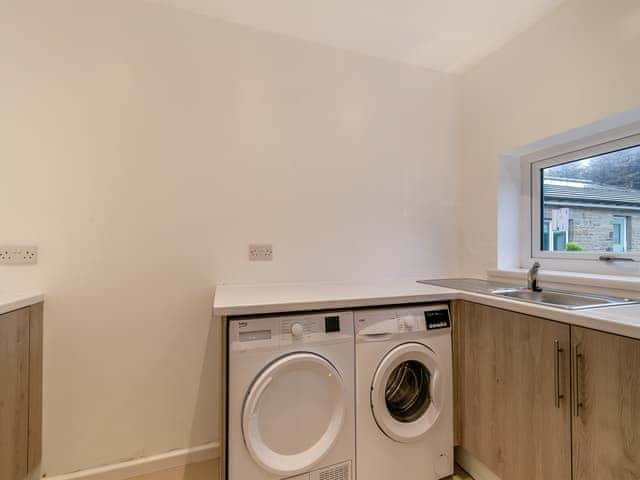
x: 545, y: 235
x: 593, y: 204
x: 619, y: 234
x: 559, y: 241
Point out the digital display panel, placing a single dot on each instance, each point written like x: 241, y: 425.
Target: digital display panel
x: 255, y: 335
x: 437, y: 319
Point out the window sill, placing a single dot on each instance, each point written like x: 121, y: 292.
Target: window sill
x: 620, y: 285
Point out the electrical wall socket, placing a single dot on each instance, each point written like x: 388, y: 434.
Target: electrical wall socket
x: 18, y: 254
x: 262, y: 252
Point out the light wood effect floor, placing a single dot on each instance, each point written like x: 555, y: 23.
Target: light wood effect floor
x: 209, y: 470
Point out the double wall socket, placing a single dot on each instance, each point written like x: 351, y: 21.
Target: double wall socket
x: 18, y: 254
x: 261, y: 251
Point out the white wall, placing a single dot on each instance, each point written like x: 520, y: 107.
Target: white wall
x: 576, y: 66
x: 143, y: 148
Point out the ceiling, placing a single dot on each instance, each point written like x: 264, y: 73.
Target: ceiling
x: 444, y: 35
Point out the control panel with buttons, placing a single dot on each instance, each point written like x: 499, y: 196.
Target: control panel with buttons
x: 385, y: 322
x: 271, y: 332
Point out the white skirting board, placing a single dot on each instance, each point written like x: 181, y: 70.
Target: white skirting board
x: 473, y: 466
x: 144, y: 465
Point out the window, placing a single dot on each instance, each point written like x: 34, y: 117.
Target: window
x: 553, y: 240
x: 546, y: 236
x: 619, y: 234
x: 586, y: 203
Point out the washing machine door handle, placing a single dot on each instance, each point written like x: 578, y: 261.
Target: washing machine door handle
x: 375, y: 337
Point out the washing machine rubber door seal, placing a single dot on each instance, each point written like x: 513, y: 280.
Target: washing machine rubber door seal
x: 385, y: 382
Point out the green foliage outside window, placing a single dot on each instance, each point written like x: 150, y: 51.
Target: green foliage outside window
x: 574, y: 247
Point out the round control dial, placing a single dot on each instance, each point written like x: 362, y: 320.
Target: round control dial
x: 297, y: 330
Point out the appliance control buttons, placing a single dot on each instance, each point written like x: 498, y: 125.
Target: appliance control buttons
x: 407, y: 323
x: 297, y: 330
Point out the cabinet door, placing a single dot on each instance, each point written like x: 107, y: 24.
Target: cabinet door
x: 14, y: 391
x: 513, y: 382
x: 35, y: 390
x: 606, y: 422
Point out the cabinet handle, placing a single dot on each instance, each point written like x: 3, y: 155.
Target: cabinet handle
x: 578, y: 383
x: 614, y: 258
x: 557, y: 350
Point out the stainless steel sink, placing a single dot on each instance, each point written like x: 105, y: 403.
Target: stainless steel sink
x: 551, y: 298
x: 567, y: 300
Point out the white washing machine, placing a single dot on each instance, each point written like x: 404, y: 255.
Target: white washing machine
x: 290, y: 407
x: 404, y: 393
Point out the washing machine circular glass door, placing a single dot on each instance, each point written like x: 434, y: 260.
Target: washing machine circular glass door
x: 406, y: 395
x: 293, y: 413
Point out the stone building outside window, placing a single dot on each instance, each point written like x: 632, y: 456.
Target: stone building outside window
x: 581, y: 215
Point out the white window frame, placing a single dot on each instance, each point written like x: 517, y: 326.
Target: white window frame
x: 518, y: 234
x: 536, y: 200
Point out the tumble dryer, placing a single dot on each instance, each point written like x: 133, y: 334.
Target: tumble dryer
x: 290, y: 404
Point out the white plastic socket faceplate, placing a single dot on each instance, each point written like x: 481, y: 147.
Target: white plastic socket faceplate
x: 18, y: 254
x: 263, y: 251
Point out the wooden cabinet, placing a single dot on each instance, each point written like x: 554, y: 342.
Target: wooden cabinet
x: 20, y: 392
x: 14, y: 393
x: 512, y: 383
x: 510, y: 371
x: 606, y: 422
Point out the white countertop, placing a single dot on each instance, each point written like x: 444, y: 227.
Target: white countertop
x: 233, y: 300
x: 15, y: 300
x: 276, y: 298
